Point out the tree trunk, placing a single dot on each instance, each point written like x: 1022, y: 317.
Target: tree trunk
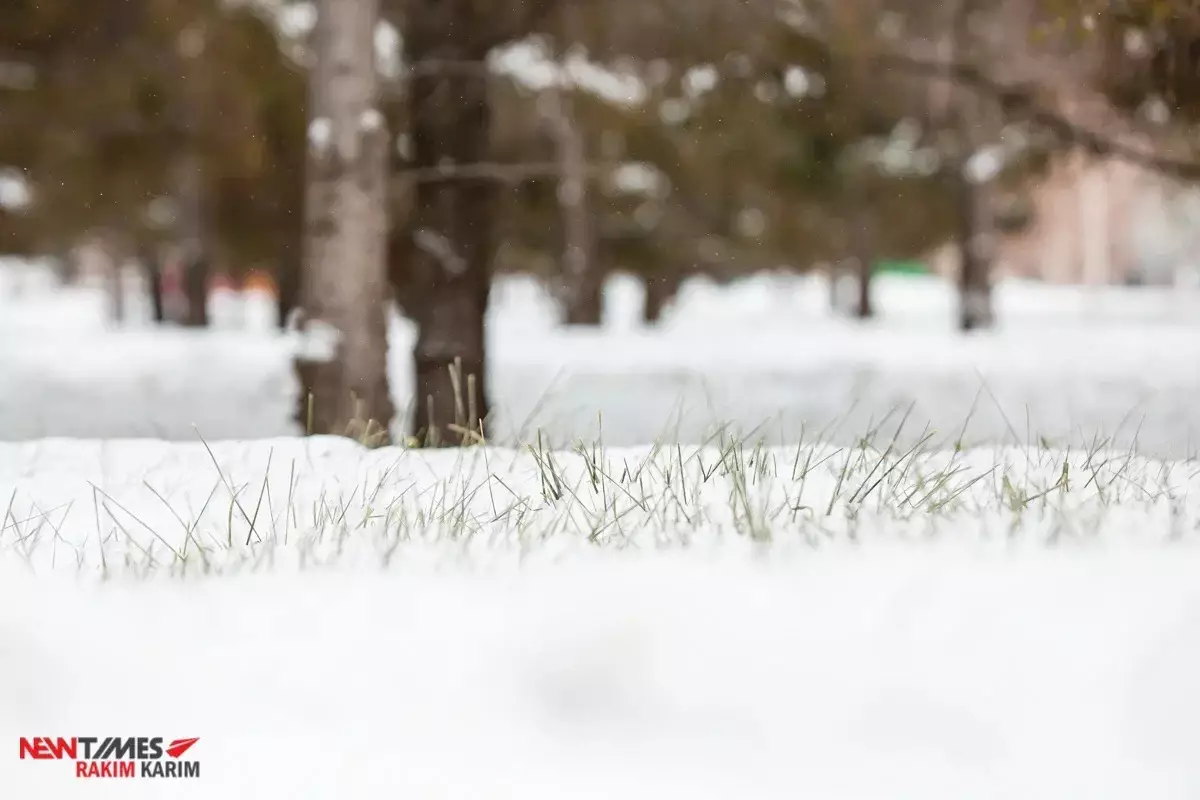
x: 862, y: 243
x: 834, y: 272
x: 586, y: 304
x: 287, y: 281
x: 974, y: 239
x: 196, y: 273
x: 114, y: 264
x: 581, y: 282
x: 148, y: 257
x: 974, y: 235
x: 192, y: 219
x: 452, y: 246
x: 660, y: 290
x: 343, y: 366
x: 863, y: 308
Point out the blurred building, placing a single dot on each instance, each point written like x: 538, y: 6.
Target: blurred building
x: 1101, y: 223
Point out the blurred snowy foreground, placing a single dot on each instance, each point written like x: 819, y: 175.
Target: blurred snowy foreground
x: 717, y: 622
x: 894, y: 589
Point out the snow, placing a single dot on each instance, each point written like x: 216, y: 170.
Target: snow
x: 984, y: 165
x: 437, y: 245
x: 529, y: 63
x: 951, y: 647
x: 317, y: 341
x: 1065, y: 364
x: 938, y: 653
x: 851, y: 676
x: 842, y: 615
x: 320, y: 133
x: 371, y: 120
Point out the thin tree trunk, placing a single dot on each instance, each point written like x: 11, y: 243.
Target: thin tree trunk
x: 974, y: 227
x: 582, y: 285
x: 975, y: 254
x: 113, y: 255
x: 453, y: 243
x: 582, y: 290
x: 151, y: 263
x: 864, y: 309
x: 660, y: 290
x: 853, y: 79
x: 833, y: 273
x: 862, y: 236
x: 287, y: 281
x: 197, y: 267
x: 196, y: 273
x: 343, y: 369
x: 189, y: 178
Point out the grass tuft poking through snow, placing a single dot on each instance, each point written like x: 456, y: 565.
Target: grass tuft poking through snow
x: 149, y: 508
x: 723, y: 620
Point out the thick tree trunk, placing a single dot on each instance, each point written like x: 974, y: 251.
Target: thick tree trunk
x: 450, y: 255
x: 343, y: 367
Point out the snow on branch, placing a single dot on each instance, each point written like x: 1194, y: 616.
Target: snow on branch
x: 371, y: 120
x: 320, y: 134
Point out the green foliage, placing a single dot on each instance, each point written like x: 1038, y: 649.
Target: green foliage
x: 118, y: 103
x: 125, y: 91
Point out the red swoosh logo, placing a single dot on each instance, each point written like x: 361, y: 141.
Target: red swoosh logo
x: 180, y: 746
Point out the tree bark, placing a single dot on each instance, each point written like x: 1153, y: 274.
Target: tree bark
x: 833, y: 273
x: 975, y: 235
x: 287, y: 281
x: 449, y: 259
x: 343, y: 365
x: 582, y: 295
x: 974, y: 239
x: 864, y: 309
x: 197, y: 270
x: 582, y: 285
x: 114, y: 263
x: 660, y: 290
x: 192, y: 221
x: 151, y: 263
x: 862, y: 242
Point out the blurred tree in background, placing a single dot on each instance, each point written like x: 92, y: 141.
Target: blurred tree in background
x: 660, y: 137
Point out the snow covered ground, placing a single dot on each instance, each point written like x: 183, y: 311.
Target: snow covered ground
x: 703, y: 622
x: 763, y: 356
x: 886, y: 675
x: 839, y: 612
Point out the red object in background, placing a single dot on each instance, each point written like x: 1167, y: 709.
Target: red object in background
x: 260, y: 281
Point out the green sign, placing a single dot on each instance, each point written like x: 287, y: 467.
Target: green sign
x: 901, y: 267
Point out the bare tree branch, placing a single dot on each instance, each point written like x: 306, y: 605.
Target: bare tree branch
x: 1019, y: 102
x: 502, y: 29
x: 500, y: 173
